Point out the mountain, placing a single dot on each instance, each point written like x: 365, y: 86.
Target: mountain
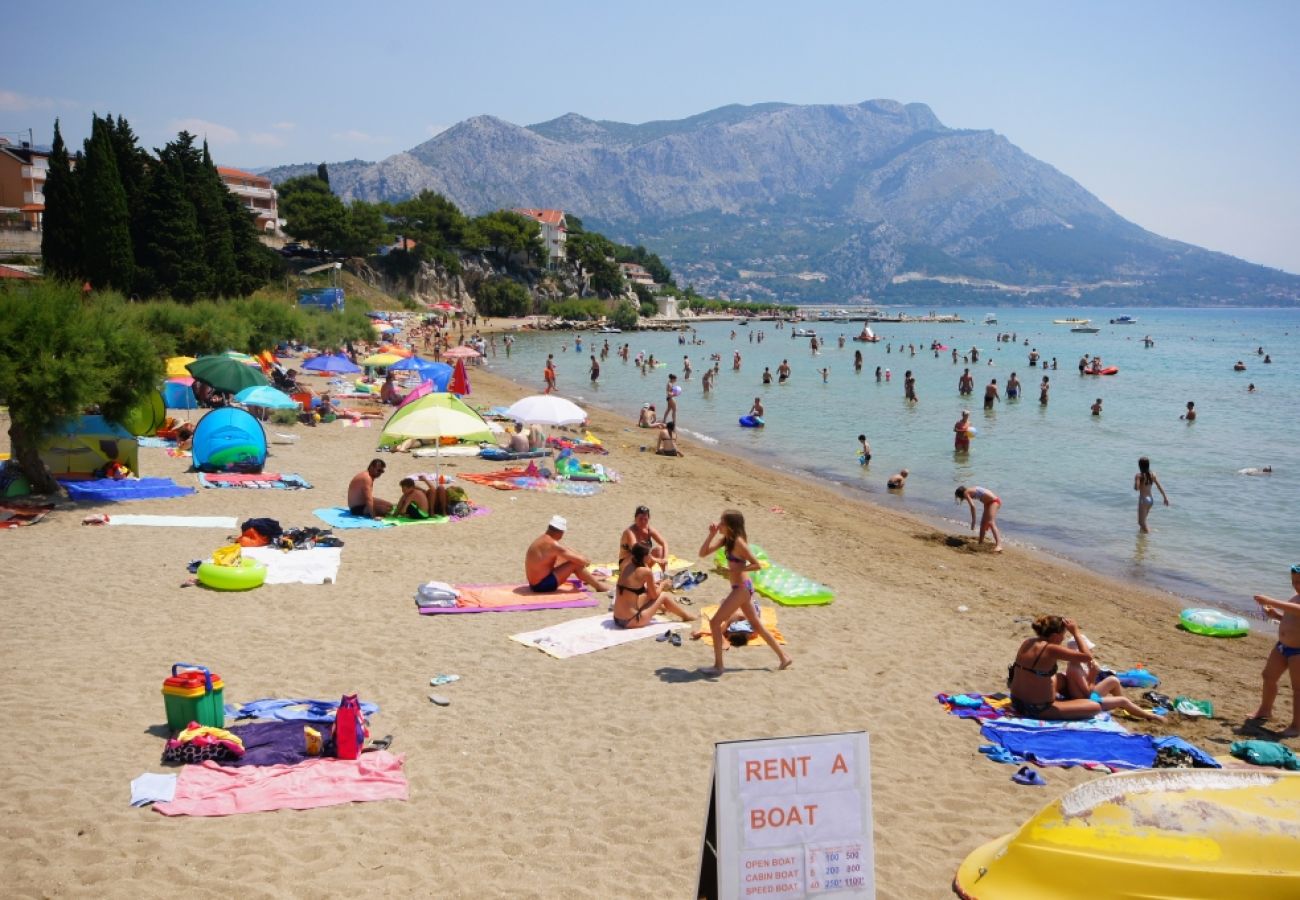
x: 821, y: 203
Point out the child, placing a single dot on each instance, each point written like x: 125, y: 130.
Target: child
x: 897, y: 480
x: 1285, y: 655
x: 826, y: 374
x: 1096, y: 407
x: 1190, y: 415
x: 865, y: 456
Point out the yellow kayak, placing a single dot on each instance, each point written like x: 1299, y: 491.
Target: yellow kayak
x: 1193, y: 834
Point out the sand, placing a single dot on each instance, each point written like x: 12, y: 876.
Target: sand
x: 586, y: 777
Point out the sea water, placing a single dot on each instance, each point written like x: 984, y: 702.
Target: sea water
x: 1065, y: 476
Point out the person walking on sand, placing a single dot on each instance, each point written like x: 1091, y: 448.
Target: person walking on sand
x: 1284, y: 657
x: 989, y: 520
x: 672, y: 391
x: 1142, y: 483
x: 729, y: 534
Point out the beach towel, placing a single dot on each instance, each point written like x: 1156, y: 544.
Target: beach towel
x: 516, y: 480
x: 476, y: 598
x: 264, y: 481
x: 766, y: 614
x: 675, y: 564
x: 443, y: 452
x: 579, y: 636
x: 1060, y: 745
x: 209, y: 789
x: 339, y: 517
x: 317, y: 565
x: 270, y: 744
x: 14, y: 516
x: 226, y: 522
x: 158, y: 443
x: 292, y: 710
x: 106, y: 490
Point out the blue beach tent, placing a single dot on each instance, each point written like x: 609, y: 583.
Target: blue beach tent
x: 229, y: 439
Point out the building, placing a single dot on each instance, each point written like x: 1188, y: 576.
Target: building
x: 23, y: 170
x: 554, y: 231
x: 637, y: 274
x: 257, y: 195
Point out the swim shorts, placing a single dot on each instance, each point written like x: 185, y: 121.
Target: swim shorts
x: 359, y: 510
x: 547, y: 585
x: 1287, y: 652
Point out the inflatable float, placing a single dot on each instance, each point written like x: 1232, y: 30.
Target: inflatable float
x: 1213, y: 623
x: 247, y: 575
x: 751, y: 422
x: 789, y: 588
x: 1191, y: 833
x: 1109, y: 370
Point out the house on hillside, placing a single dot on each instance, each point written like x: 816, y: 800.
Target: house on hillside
x: 554, y: 231
x: 23, y: 170
x: 637, y: 274
x: 257, y: 195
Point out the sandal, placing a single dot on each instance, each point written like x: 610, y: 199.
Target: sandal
x: 665, y: 636
x: 675, y: 640
x: 382, y: 743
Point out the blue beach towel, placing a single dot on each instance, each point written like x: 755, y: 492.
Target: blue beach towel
x: 338, y: 517
x: 106, y: 490
x: 293, y: 710
x: 1075, y: 747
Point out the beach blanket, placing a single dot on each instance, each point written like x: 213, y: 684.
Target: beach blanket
x: 579, y: 636
x: 766, y: 615
x: 106, y: 490
x: 339, y: 517
x: 265, y: 481
x: 209, y: 789
x: 226, y: 522
x: 158, y: 443
x: 450, y: 450
x: 317, y: 565
x: 292, y: 710
x: 13, y: 516
x: 270, y: 744
x: 1066, y: 747
x: 476, y: 598
x: 499, y: 454
x: 675, y: 564
x: 516, y: 480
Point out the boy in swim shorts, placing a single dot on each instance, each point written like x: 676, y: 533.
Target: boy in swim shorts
x: 1284, y: 657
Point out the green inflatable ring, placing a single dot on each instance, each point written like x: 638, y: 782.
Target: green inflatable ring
x: 244, y: 577
x: 1213, y: 623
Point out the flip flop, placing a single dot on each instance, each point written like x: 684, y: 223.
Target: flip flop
x: 675, y: 640
x: 665, y: 636
x: 1027, y: 775
x: 440, y: 680
x: 439, y: 700
x: 382, y: 744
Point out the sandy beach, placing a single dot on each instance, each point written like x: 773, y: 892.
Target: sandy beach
x: 555, y: 778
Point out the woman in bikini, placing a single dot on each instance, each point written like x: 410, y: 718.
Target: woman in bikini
x: 989, y: 520
x: 637, y: 596
x: 1032, y: 678
x: 729, y: 534
x: 1142, y: 483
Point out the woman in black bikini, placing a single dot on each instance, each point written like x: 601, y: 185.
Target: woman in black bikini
x: 638, y: 597
x: 729, y: 533
x: 1032, y: 677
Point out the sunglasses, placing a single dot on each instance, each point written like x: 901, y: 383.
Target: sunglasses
x: 643, y: 510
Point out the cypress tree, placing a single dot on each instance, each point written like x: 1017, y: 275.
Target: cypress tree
x: 61, y: 237
x: 323, y: 174
x: 109, y: 259
x: 172, y: 254
x: 208, y: 193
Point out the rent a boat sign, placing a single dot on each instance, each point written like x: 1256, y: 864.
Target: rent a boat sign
x: 790, y: 817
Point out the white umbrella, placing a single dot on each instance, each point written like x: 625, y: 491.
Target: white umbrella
x: 546, y: 409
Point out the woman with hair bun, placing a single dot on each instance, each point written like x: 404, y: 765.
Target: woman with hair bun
x: 1032, y: 678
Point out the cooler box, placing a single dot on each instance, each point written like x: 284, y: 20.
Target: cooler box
x: 193, y: 694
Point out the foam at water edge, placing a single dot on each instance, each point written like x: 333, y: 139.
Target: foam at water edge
x: 700, y: 437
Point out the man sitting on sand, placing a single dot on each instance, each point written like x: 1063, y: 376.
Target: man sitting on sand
x: 361, y: 492
x: 548, y: 563
x: 518, y: 440
x: 648, y: 419
x: 422, y: 502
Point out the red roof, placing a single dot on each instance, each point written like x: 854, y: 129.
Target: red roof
x: 6, y: 272
x: 228, y: 172
x: 545, y: 216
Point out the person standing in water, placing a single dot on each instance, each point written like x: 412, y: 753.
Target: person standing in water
x: 961, y: 433
x: 1013, y: 387
x: 1143, y: 481
x: 1190, y: 415
x: 909, y: 386
x: 1042, y: 391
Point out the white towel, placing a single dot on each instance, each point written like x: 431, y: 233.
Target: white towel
x: 227, y: 522
x: 319, y: 565
x: 151, y: 788
x: 579, y: 636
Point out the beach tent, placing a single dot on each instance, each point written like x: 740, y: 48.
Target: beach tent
x: 229, y: 438
x: 147, y: 416
x: 434, y: 417
x: 82, y: 446
x: 179, y: 395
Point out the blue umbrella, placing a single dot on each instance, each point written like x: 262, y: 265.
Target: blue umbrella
x: 438, y: 373
x: 268, y: 397
x: 332, y: 363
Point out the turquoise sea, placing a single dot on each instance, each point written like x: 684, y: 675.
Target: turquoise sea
x: 1065, y: 476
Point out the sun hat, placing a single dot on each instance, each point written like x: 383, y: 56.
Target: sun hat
x: 559, y: 523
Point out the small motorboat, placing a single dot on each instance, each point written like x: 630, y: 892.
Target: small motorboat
x: 1071, y: 321
x: 990, y: 319
x: 1200, y: 834
x: 867, y: 336
x: 804, y: 332
x: 609, y: 329
x: 1123, y: 320
x: 1085, y: 329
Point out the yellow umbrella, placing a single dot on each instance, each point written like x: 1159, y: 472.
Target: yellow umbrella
x: 176, y: 366
x: 381, y: 359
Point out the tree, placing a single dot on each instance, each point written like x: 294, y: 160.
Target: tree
x: 624, y: 316
x: 208, y: 193
x: 61, y: 235
x: 503, y: 297
x: 59, y: 355
x: 108, y: 260
x: 323, y: 174
x: 312, y: 213
x: 171, y: 242
x: 510, y: 234
x: 365, y: 231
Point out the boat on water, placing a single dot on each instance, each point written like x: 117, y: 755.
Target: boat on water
x: 990, y: 319
x: 609, y: 329
x: 804, y: 332
x: 1201, y: 834
x: 1123, y: 320
x: 1071, y: 321
x: 1085, y: 329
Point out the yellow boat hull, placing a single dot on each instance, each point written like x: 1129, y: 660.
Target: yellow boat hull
x: 1191, y: 834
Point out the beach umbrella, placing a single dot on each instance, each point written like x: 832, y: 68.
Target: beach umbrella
x: 432, y: 418
x: 177, y: 394
x: 243, y: 358
x: 423, y: 389
x: 394, y: 348
x: 226, y: 374
x: 412, y: 363
x: 381, y: 360
x: 461, y: 353
x: 176, y: 366
x: 268, y: 397
x: 331, y: 363
x: 459, y: 380
x: 546, y: 409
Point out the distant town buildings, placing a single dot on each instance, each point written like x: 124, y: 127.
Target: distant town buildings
x: 257, y: 195
x: 554, y: 231
x: 637, y: 274
x: 23, y: 170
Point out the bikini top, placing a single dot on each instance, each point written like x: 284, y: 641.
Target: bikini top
x: 1049, y: 673
x: 624, y: 587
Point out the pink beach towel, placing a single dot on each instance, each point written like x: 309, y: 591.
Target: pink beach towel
x: 212, y: 790
x: 475, y: 598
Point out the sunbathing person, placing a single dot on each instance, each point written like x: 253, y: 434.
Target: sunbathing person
x: 638, y: 596
x: 548, y: 563
x: 641, y: 532
x: 648, y: 417
x: 667, y: 445
x: 1032, y: 677
x: 518, y: 440
x: 422, y: 502
x: 361, y: 492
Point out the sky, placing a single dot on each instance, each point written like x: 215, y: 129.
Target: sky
x: 1184, y: 117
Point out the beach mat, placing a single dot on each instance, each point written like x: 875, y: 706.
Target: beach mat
x: 476, y: 598
x: 579, y: 636
x: 265, y: 481
x: 106, y: 490
x: 675, y: 564
x: 226, y: 522
x: 766, y: 614
x: 12, y: 516
x: 518, y: 480
x: 339, y: 517
x: 317, y: 565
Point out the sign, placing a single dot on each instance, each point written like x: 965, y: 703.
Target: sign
x: 790, y: 817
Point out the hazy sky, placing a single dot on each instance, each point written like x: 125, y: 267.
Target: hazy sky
x: 1182, y: 116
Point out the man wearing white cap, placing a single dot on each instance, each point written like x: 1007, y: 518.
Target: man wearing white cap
x: 548, y: 563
